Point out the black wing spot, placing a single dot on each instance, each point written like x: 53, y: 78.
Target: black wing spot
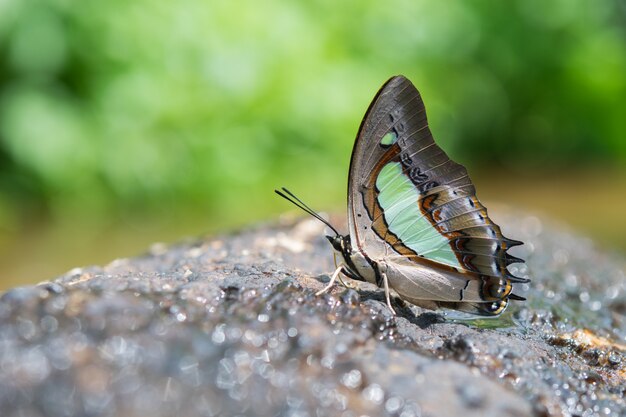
x: 427, y: 186
x: 406, y: 159
x: 417, y: 176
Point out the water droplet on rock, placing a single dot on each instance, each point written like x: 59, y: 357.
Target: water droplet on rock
x: 352, y: 379
x: 393, y: 404
x: 374, y: 393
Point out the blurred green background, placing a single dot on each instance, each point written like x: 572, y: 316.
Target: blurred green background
x: 128, y: 122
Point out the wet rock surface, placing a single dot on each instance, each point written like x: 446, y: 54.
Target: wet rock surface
x: 232, y: 326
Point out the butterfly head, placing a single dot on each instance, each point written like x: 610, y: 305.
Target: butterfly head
x: 340, y: 243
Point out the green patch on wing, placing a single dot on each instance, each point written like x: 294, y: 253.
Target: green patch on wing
x: 398, y: 198
x: 389, y: 139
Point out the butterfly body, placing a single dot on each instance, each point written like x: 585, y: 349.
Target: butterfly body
x: 415, y: 223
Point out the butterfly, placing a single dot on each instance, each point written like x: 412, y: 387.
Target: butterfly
x: 415, y: 224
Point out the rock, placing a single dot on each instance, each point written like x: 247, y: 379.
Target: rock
x: 232, y: 326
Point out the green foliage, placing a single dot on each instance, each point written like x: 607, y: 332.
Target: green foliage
x: 121, y: 104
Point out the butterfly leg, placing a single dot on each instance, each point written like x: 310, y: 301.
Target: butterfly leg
x: 344, y: 283
x: 340, y: 279
x: 333, y: 278
x: 387, y: 296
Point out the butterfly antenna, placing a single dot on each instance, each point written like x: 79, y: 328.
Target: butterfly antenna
x: 289, y: 196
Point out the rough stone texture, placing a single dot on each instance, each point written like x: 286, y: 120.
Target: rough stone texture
x: 232, y: 326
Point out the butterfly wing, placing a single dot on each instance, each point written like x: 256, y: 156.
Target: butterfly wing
x: 408, y: 202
